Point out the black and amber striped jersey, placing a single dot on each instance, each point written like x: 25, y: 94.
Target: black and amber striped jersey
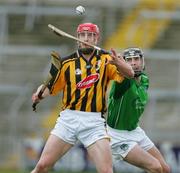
x: 84, y: 83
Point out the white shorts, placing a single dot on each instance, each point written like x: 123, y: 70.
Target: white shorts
x: 122, y: 141
x: 87, y: 127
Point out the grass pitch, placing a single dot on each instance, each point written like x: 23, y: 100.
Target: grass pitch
x: 16, y: 171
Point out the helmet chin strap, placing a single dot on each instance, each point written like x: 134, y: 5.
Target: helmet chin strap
x: 137, y: 73
x: 86, y: 51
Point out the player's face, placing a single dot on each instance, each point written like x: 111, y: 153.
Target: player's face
x: 90, y: 37
x: 135, y: 62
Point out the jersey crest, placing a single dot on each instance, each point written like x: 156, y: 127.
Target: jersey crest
x: 88, y: 81
x: 138, y: 104
x: 124, y: 147
x: 78, y: 71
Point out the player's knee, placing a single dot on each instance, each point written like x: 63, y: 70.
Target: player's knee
x: 156, y: 167
x: 42, y: 167
x: 166, y: 168
x: 106, y: 169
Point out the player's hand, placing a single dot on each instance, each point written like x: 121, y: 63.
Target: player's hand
x: 37, y: 96
x: 122, y: 66
x: 115, y: 58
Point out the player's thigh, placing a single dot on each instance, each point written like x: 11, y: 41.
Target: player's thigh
x: 100, y: 153
x: 140, y: 158
x: 54, y: 149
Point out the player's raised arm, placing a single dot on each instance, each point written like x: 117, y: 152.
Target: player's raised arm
x: 124, y: 68
x: 43, y: 90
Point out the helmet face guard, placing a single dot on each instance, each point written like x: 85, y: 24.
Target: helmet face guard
x: 132, y: 53
x: 90, y: 29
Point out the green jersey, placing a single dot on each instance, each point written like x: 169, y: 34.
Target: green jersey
x: 126, y: 103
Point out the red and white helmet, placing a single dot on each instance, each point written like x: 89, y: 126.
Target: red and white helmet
x: 90, y: 27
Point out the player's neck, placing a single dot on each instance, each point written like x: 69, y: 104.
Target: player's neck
x: 87, y: 53
x: 138, y: 79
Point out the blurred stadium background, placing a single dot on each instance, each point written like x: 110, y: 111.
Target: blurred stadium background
x: 25, y: 46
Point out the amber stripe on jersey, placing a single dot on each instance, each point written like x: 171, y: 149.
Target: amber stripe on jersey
x: 77, y: 79
x: 85, y: 82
